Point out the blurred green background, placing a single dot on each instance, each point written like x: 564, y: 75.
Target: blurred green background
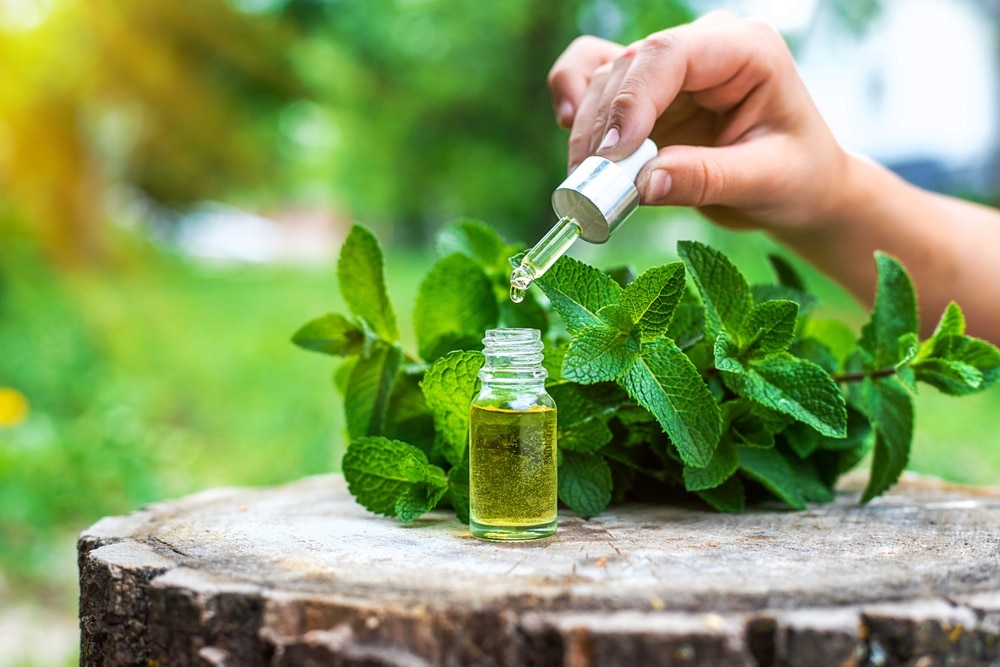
x: 175, y: 178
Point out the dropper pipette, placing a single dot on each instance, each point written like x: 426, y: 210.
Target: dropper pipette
x: 540, y: 259
x: 591, y: 204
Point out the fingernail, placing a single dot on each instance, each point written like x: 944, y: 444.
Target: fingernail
x: 610, y: 139
x: 659, y: 184
x: 565, y: 113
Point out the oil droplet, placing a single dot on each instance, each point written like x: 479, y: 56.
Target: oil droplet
x: 520, y: 280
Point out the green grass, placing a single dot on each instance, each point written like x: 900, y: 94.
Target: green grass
x: 155, y: 380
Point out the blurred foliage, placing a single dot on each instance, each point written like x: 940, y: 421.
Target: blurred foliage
x: 403, y: 112
x: 445, y: 112
x: 176, y: 99
x: 174, y: 379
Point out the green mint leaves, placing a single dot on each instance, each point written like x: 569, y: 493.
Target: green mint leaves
x: 362, y: 283
x: 392, y: 478
x: 625, y: 342
x: 449, y: 386
x: 455, y: 305
x: 685, y: 378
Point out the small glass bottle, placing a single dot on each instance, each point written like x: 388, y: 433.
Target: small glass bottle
x: 512, y: 441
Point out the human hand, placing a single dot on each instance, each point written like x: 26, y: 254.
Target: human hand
x: 739, y: 135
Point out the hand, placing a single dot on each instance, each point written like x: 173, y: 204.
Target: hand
x: 739, y: 136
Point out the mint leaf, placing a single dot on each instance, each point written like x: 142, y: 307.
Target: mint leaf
x: 769, y: 328
x: 859, y: 427
x: 811, y: 483
x: 331, y: 334
x: 723, y: 288
x: 729, y: 497
x: 727, y: 354
x: 553, y: 354
x: 786, y: 274
x: 762, y: 293
x: 369, y: 390
x: 455, y: 305
x: 420, y: 499
x: 602, y: 352
x: 950, y: 377
x: 687, y: 328
x: 582, y: 424
x: 802, y: 439
x: 722, y: 466
x: 588, y: 435
x: 474, y: 239
x: 909, y: 346
x: 577, y: 291
x: 623, y: 275
x: 665, y: 382
x: 342, y: 373
x: 388, y: 475
x: 751, y: 424
x: 408, y: 417
x: 797, y: 388
x: 952, y: 322
x: 458, y: 489
x: 529, y: 314
x: 584, y: 483
x: 950, y: 360
x: 449, y: 386
x: 894, y: 314
x: 891, y: 411
x: 617, y: 315
x: 770, y: 468
x: 362, y: 282
x: 651, y: 298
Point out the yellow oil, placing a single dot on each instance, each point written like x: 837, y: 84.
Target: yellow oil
x: 512, y: 481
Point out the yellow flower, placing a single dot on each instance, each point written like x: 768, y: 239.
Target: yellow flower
x: 13, y: 407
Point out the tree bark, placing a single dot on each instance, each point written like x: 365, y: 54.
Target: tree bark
x: 301, y: 575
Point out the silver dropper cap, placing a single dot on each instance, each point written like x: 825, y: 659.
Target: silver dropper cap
x: 600, y: 194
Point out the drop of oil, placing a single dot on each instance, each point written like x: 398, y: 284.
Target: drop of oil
x: 520, y: 280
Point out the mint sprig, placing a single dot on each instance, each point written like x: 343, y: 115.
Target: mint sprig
x: 709, y: 386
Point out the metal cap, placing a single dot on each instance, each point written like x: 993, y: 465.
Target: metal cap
x: 600, y: 194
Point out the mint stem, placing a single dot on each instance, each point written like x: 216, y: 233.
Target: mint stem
x: 858, y: 376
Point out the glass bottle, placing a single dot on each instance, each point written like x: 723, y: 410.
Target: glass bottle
x: 512, y: 441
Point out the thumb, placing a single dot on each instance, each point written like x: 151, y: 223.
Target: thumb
x: 743, y: 175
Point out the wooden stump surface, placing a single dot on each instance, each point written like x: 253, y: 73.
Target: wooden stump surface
x: 302, y: 575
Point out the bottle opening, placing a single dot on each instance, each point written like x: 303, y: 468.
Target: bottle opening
x: 514, y: 354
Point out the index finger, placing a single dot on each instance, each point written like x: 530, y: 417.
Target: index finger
x: 720, y: 62
x: 571, y: 73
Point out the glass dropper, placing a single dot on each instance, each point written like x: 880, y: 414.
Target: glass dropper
x: 591, y: 204
x: 540, y: 259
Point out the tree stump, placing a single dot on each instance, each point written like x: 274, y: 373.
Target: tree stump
x: 301, y: 575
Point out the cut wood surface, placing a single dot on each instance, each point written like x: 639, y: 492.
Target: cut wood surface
x: 300, y: 575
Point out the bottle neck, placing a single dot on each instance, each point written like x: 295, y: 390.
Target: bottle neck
x: 513, y: 357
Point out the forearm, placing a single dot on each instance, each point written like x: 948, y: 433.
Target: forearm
x: 950, y: 247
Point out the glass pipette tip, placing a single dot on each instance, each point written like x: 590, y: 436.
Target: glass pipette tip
x: 540, y: 259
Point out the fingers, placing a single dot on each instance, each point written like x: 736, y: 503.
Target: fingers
x: 593, y: 109
x: 719, y: 60
x: 570, y: 76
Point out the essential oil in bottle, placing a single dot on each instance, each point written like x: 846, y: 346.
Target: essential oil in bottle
x: 512, y: 437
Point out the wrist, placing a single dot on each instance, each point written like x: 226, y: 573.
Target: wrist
x: 853, y: 190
